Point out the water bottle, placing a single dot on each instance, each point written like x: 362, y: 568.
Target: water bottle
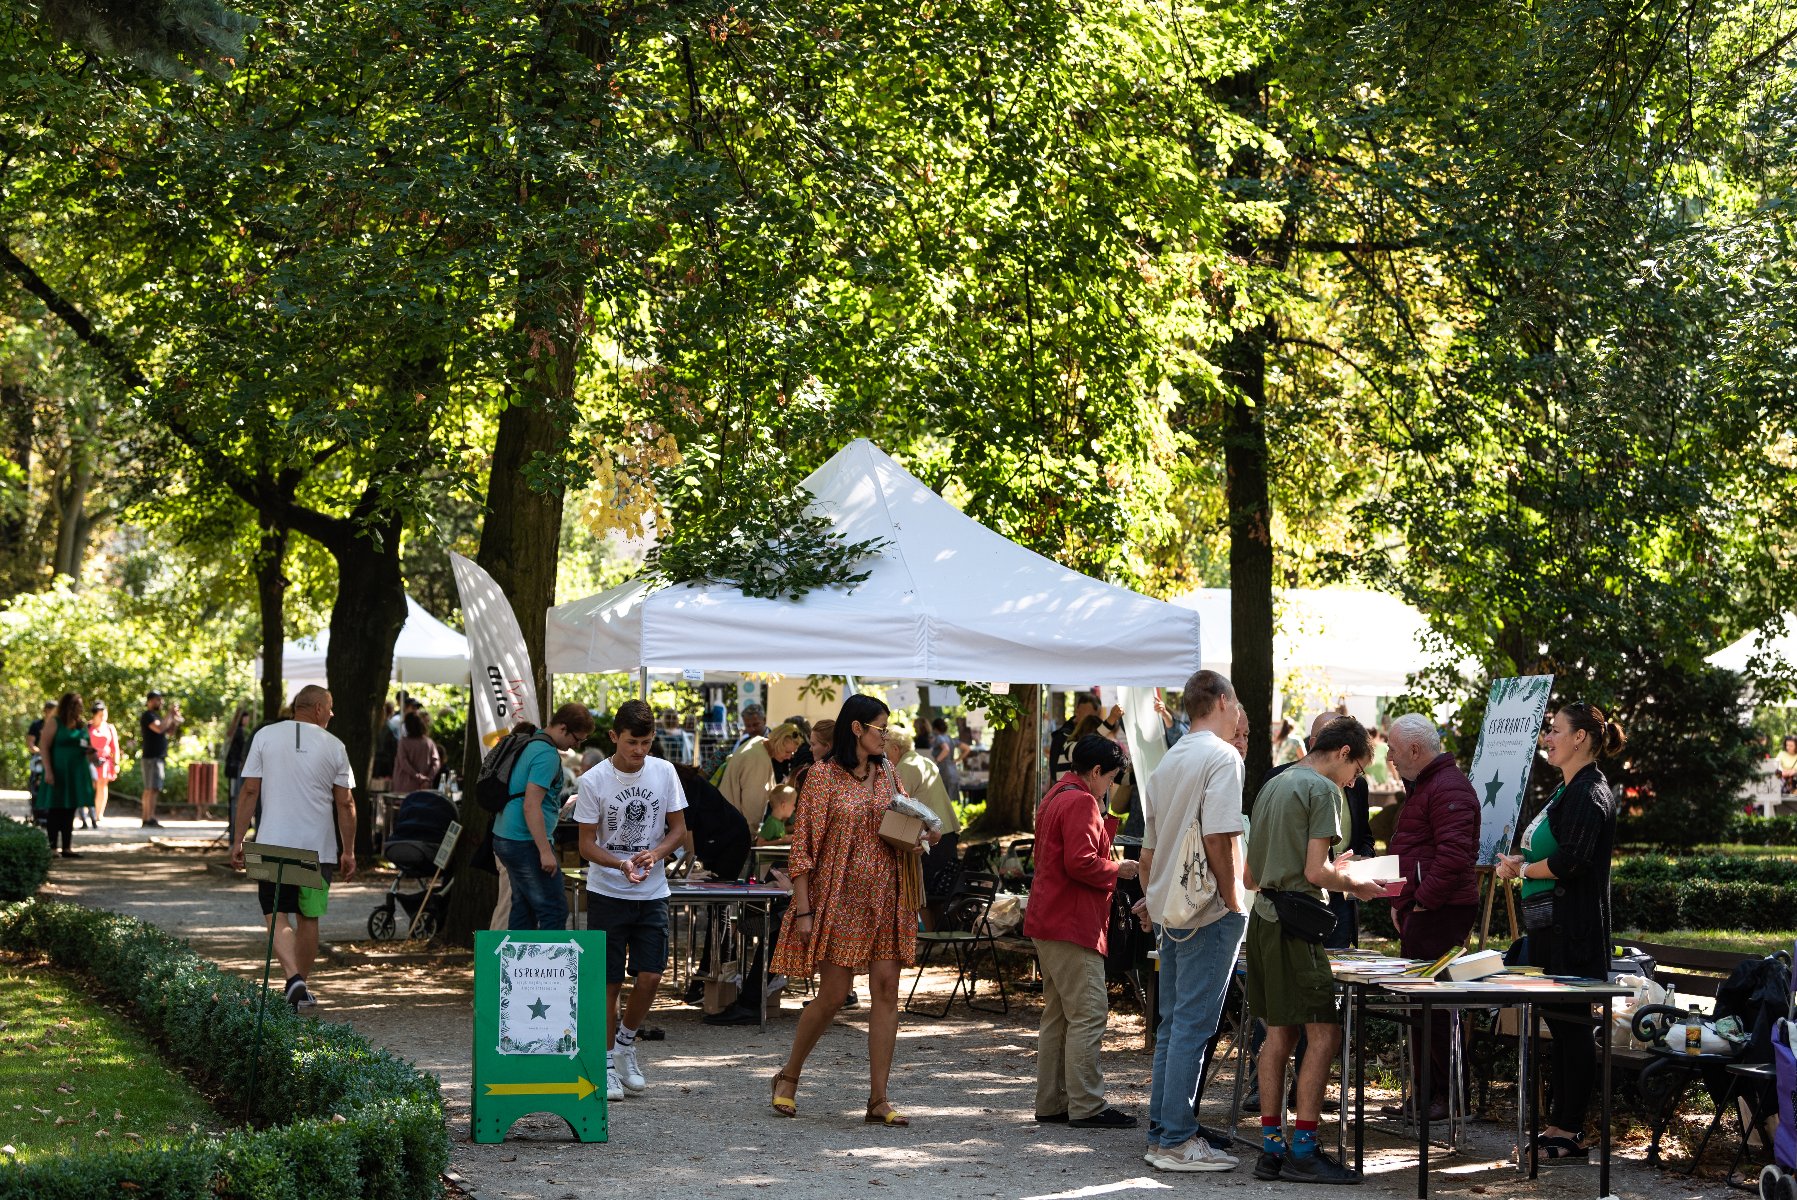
x: 1694, y: 1032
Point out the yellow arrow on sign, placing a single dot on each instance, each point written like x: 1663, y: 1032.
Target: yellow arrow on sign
x: 580, y: 1089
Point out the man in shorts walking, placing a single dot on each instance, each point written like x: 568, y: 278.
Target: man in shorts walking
x: 1297, y: 818
x: 300, y: 775
x: 153, y: 727
x: 630, y: 816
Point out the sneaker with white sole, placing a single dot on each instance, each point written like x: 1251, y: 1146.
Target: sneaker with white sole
x: 614, y: 1087
x: 624, y: 1060
x: 1195, y: 1154
x: 774, y: 983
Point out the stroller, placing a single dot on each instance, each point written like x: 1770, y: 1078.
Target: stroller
x: 1778, y: 1181
x: 412, y: 844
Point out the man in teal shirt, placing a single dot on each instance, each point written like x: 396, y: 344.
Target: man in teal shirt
x: 523, y: 832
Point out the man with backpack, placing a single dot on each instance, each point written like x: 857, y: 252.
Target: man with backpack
x: 524, y: 831
x: 1192, y: 829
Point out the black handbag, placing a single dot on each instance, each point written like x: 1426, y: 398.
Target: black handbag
x: 1303, y: 917
x: 1538, y: 911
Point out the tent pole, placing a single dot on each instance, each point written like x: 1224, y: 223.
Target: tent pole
x: 1041, y: 748
x: 642, y: 683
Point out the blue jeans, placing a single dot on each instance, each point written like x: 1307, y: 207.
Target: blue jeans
x: 1194, y: 975
x: 538, y: 900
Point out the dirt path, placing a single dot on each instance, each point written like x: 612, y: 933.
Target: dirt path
x: 704, y: 1128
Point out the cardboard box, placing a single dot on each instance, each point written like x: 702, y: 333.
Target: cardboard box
x: 901, y: 831
x: 719, y: 995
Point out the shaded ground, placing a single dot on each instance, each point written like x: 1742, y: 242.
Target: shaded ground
x: 704, y: 1128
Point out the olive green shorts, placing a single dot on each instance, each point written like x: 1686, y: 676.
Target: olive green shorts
x: 1288, y: 978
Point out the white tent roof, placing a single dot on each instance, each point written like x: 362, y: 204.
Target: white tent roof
x: 1737, y: 656
x: 1363, y: 643
x: 946, y: 599
x: 428, y: 651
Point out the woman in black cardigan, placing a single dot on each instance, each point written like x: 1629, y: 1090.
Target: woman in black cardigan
x: 1565, y: 871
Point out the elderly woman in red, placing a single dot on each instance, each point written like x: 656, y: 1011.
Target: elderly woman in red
x: 1068, y: 914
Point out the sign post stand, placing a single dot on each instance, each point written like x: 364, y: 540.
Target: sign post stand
x: 278, y: 865
x: 444, y: 850
x: 540, y: 1033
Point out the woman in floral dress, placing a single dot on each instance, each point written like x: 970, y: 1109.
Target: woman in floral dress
x: 846, y: 916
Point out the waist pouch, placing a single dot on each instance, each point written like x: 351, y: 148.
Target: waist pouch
x: 1538, y: 910
x: 1300, y: 916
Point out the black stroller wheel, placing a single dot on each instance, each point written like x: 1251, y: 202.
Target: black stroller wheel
x: 427, y: 925
x: 1769, y: 1181
x: 380, y: 924
x: 1787, y: 1187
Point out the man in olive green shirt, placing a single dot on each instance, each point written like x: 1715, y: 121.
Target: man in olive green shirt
x: 1297, y: 818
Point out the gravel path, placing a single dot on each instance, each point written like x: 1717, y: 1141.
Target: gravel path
x: 704, y: 1128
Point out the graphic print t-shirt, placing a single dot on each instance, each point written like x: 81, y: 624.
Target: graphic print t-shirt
x: 631, y: 812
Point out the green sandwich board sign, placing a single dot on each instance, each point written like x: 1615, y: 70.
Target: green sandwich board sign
x: 540, y: 1037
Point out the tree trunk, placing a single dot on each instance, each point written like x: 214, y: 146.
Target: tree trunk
x: 1014, y: 780
x: 271, y: 597
x: 365, y: 623
x: 1250, y: 547
x: 16, y: 429
x: 71, y: 505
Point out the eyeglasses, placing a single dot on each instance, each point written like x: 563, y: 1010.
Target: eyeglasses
x: 879, y: 729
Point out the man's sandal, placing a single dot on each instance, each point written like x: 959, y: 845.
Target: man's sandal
x: 891, y: 1116
x: 785, y: 1106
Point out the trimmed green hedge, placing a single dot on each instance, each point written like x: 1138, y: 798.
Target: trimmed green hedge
x: 1705, y: 891
x: 353, y: 1120
x: 1746, y: 829
x: 24, y: 859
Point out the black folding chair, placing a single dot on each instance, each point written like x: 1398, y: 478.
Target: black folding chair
x: 964, y: 929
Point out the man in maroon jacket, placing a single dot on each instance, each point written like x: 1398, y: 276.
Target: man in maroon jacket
x: 1436, y: 841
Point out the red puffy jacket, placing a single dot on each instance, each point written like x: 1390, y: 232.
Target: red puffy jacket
x: 1437, y: 840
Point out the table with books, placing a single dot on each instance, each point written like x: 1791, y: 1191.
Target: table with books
x: 1452, y: 983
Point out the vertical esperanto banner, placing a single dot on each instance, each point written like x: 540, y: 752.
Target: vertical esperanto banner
x: 1508, y: 742
x: 540, y: 1037
x: 504, y: 690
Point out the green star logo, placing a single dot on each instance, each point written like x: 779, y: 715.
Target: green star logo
x: 1491, y: 791
x: 539, y: 1009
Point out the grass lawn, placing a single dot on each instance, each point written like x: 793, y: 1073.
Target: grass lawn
x: 1746, y: 944
x: 71, y: 1072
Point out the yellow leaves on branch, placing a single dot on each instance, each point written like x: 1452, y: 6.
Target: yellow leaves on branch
x: 623, y: 493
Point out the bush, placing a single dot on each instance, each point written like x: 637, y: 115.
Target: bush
x: 1744, y: 829
x: 358, y: 1121
x: 1713, y: 891
x: 24, y: 859
x: 1690, y: 756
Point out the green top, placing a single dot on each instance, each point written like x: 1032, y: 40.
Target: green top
x: 74, y: 787
x: 1540, y: 844
x: 772, y: 829
x: 1294, y: 808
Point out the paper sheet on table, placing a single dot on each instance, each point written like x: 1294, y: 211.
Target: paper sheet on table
x: 1383, y: 869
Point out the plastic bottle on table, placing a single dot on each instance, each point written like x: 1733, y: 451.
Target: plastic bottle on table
x: 1694, y: 1032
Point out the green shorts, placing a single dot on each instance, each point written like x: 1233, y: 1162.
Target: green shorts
x: 1288, y: 978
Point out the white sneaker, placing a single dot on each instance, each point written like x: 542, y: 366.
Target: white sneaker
x: 1195, y: 1155
x: 774, y: 984
x: 624, y: 1059
x: 1152, y: 1153
x: 614, y: 1087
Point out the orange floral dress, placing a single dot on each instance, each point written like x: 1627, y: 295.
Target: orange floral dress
x: 856, y: 918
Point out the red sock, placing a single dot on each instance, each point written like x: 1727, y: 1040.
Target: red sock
x: 1301, y: 1126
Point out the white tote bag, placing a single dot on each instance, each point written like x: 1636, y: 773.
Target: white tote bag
x: 1195, y: 888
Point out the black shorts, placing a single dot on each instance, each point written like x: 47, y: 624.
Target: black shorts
x: 289, y: 899
x: 639, y: 926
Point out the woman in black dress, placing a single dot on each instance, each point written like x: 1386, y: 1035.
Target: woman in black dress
x: 1565, y: 871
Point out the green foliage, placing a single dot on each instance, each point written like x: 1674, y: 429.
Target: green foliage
x: 349, y: 1112
x: 1703, y: 892
x: 772, y: 554
x: 160, y: 36
x: 24, y: 859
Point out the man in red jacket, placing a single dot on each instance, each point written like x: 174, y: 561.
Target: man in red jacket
x: 1067, y: 918
x: 1436, y: 841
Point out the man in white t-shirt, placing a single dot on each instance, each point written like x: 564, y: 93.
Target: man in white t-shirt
x: 629, y: 812
x: 299, y: 775
x: 1197, y: 786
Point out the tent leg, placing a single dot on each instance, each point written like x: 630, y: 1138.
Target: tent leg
x: 642, y: 683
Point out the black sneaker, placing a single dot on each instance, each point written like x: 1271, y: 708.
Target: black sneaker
x: 1317, y: 1168
x: 1051, y: 1119
x: 1106, y: 1118
x: 695, y: 992
x: 300, y: 996
x: 1268, y: 1165
x: 736, y: 1014
x: 152, y: 823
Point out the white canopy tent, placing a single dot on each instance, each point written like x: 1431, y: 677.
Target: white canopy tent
x: 946, y: 599
x: 1361, y: 643
x: 1737, y: 656
x: 427, y: 651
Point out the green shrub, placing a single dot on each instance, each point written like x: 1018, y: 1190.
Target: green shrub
x: 1705, y: 891
x: 24, y: 859
x: 1746, y: 829
x: 358, y: 1121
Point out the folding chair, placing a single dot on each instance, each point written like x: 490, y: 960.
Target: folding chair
x: 965, y: 927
